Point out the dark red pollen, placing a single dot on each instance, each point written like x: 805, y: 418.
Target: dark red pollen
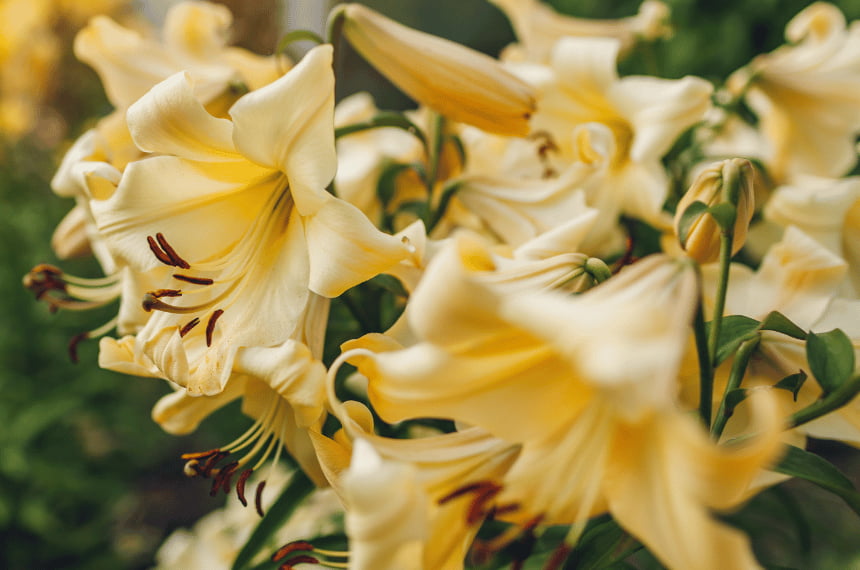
x: 186, y: 328
x: 171, y: 253
x: 195, y: 280
x: 210, y: 326
x: 240, y: 486
x: 166, y: 293
x: 258, y: 499
x: 156, y: 251
x: 289, y: 548
x: 73, y: 345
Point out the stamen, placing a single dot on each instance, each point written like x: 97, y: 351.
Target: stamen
x: 159, y: 255
x: 484, y: 492
x: 300, y: 559
x: 559, y: 555
x: 186, y: 328
x: 223, y: 478
x: 44, y: 278
x: 210, y: 326
x: 240, y: 486
x: 73, y: 345
x: 151, y: 302
x: 171, y: 253
x: 159, y: 293
x: 195, y: 280
x: 258, y: 499
x: 289, y: 548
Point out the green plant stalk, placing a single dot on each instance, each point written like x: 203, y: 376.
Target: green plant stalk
x: 833, y: 401
x: 706, y: 366
x: 736, y: 376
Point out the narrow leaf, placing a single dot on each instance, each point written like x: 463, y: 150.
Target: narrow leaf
x: 690, y: 215
x: 805, y: 465
x: 299, y: 487
x: 725, y: 215
x: 831, y: 358
x: 792, y: 383
x: 734, y: 330
x: 776, y: 321
x: 732, y: 400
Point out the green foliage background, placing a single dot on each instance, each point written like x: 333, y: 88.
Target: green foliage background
x: 87, y: 480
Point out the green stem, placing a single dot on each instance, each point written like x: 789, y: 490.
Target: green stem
x: 706, y: 368
x: 736, y: 376
x: 833, y: 401
x: 722, y: 289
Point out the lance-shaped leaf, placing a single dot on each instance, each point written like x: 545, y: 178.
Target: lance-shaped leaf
x: 831, y: 358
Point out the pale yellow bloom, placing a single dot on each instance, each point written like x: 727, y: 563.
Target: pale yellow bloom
x: 539, y: 27
x: 807, y: 94
x: 586, y: 385
x: 458, y: 82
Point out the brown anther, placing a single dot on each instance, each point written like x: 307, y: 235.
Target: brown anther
x: 210, y: 326
x: 44, y: 278
x: 240, y: 486
x: 289, y: 548
x: 156, y: 251
x: 186, y: 328
x: 195, y: 280
x: 504, y: 509
x: 73, y: 345
x: 258, y: 499
x: 300, y: 559
x: 559, y: 555
x: 200, y: 454
x: 483, y: 491
x: 627, y: 258
x: 171, y: 253
x: 207, y: 469
x: 222, y: 479
x: 159, y: 293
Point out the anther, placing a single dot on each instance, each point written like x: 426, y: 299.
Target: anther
x: 559, y: 555
x: 300, y: 559
x: 73, y: 345
x: 166, y: 293
x: 171, y: 253
x: 210, y: 326
x: 223, y: 478
x: 44, y: 278
x: 195, y: 280
x: 186, y: 328
x: 156, y: 251
x: 258, y: 499
x: 483, y: 491
x: 289, y: 548
x: 240, y: 486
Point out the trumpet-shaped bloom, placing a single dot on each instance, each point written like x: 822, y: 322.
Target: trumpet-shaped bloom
x: 807, y: 95
x: 586, y: 385
x: 239, y: 211
x: 539, y: 27
x: 593, y: 115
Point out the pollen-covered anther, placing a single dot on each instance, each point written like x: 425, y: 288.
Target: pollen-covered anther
x: 159, y: 293
x: 210, y: 326
x: 186, y: 328
x: 73, y: 345
x: 289, y: 548
x: 195, y: 280
x: 258, y: 498
x: 44, y: 278
x: 305, y: 546
x: 240, y: 486
x: 164, y: 252
x: 222, y: 478
x: 483, y: 492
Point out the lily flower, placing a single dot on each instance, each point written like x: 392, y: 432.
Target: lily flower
x: 807, y: 95
x: 610, y: 357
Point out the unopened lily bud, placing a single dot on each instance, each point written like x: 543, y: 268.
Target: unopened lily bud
x: 456, y: 81
x: 728, y: 182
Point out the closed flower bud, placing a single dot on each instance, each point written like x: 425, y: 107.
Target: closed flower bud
x: 456, y: 81
x: 726, y: 182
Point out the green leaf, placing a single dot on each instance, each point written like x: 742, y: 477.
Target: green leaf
x: 734, y: 330
x: 690, y: 215
x: 831, y: 358
x: 597, y: 546
x: 776, y: 321
x: 387, y: 185
x: 725, y: 215
x: 805, y: 465
x: 792, y: 383
x: 448, y: 192
x: 732, y: 400
x: 298, y: 488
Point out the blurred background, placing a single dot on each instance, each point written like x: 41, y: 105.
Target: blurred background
x: 87, y: 480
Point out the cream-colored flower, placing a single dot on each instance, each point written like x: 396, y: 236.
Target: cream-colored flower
x: 827, y: 210
x: 807, y: 94
x: 592, y: 115
x: 539, y: 27
x: 586, y: 385
x: 238, y: 210
x: 456, y: 81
